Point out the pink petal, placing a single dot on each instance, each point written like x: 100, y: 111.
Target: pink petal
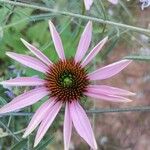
x: 67, y: 127
x: 104, y: 89
x: 94, y: 52
x: 84, y: 42
x: 82, y: 124
x: 113, y: 1
x: 47, y: 121
x: 109, y: 71
x: 39, y: 115
x: 107, y: 97
x: 37, y: 53
x: 23, y: 81
x: 88, y: 4
x: 57, y: 41
x: 29, y: 61
x: 25, y: 99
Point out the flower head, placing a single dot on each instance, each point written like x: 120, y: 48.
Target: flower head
x: 145, y: 4
x: 65, y: 82
x: 88, y: 3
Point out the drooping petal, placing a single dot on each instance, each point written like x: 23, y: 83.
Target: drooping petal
x: 109, y: 71
x: 107, y: 97
x: 113, y: 1
x: 84, y: 42
x: 57, y: 41
x: 67, y: 127
x: 25, y: 99
x: 82, y: 124
x: 24, y: 81
x: 37, y: 52
x: 29, y: 61
x: 39, y: 115
x: 47, y: 121
x: 94, y: 52
x: 88, y: 4
x: 104, y: 89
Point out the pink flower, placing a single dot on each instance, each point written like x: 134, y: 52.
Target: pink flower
x: 88, y: 3
x: 65, y: 82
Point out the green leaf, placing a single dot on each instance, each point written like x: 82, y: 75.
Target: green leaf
x: 2, y: 100
x: 39, y: 32
x: 21, y: 14
x: 44, y: 144
x: 3, y: 11
x: 12, y: 39
x: 136, y: 57
x: 21, y: 144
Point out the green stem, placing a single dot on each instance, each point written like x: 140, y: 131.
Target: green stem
x: 96, y: 111
x: 137, y: 29
x: 105, y: 16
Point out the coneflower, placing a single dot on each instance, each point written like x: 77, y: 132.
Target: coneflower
x: 65, y: 82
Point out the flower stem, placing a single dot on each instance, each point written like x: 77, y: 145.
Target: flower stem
x: 95, y: 111
x: 120, y: 25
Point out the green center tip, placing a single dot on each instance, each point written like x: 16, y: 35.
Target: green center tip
x: 67, y: 82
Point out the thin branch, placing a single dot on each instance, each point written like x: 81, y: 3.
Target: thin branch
x: 15, y: 133
x: 95, y: 111
x: 8, y: 130
x: 121, y: 110
x: 137, y: 29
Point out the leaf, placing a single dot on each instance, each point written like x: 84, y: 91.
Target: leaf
x: 3, y: 11
x: 21, y: 14
x: 13, y: 43
x: 2, y: 100
x: 39, y: 32
x: 140, y: 58
x: 21, y: 144
x: 43, y: 145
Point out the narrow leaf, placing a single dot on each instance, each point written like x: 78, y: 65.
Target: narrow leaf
x: 136, y: 57
x: 44, y: 144
x: 21, y: 144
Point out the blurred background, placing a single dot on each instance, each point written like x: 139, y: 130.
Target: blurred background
x: 114, y: 131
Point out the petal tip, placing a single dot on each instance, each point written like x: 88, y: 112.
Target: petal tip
x: 128, y: 60
x: 8, y: 53
x: 114, y: 2
x: 95, y: 146
x: 49, y: 21
x: 2, y: 82
x: 36, y: 143
x: 132, y: 94
x: 128, y: 100
x: 106, y: 38
x: 23, y: 41
x: 90, y: 24
x: 24, y: 136
x: 50, y: 24
x: 28, y: 45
